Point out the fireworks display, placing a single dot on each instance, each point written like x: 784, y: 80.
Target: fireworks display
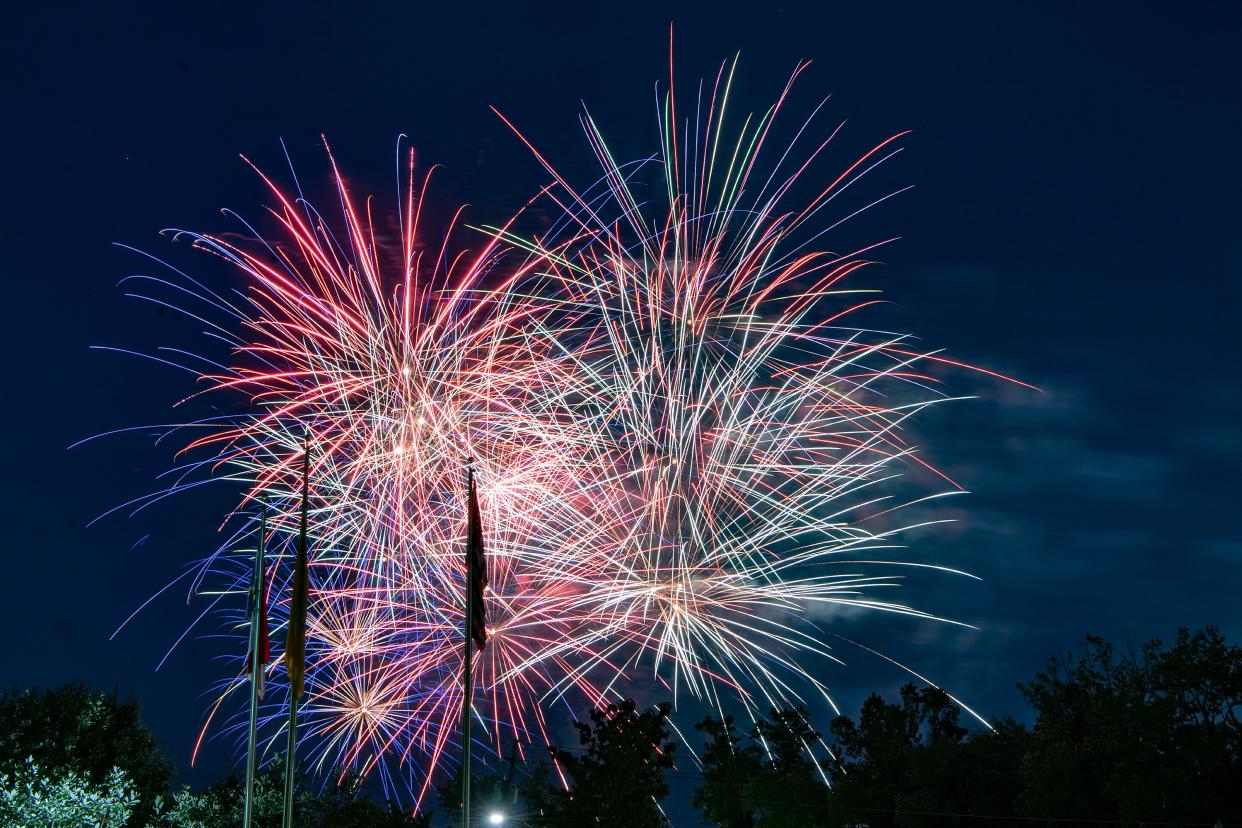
x: 683, y: 438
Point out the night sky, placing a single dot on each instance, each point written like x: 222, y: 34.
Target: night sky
x: 1075, y: 222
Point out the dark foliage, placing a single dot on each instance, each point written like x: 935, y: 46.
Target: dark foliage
x: 1139, y: 736
x: 617, y: 780
x: 913, y: 764
x: 1151, y: 734
x: 730, y: 765
x: 73, y: 728
x: 340, y: 805
x: 766, y: 781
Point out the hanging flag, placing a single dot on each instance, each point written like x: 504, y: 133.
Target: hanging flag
x: 258, y: 618
x: 295, y: 639
x: 476, y: 566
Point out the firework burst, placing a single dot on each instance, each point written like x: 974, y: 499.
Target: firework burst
x: 682, y: 439
x: 744, y: 425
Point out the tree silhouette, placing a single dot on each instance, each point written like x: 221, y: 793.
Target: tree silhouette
x: 1151, y: 734
x: 767, y: 781
x: 71, y: 730
x: 617, y: 779
x: 338, y: 805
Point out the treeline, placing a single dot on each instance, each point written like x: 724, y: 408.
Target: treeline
x: 74, y: 757
x: 1147, y: 735
x: 1141, y: 736
x: 1137, y: 736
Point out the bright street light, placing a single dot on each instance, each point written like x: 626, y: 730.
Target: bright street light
x: 495, y: 818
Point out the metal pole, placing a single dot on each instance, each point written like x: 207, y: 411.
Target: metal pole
x: 466, y: 726
x: 469, y: 686
x: 256, y: 669
x: 296, y: 637
x: 510, y: 789
x: 289, y: 760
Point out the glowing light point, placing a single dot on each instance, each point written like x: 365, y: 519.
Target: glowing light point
x: 495, y: 818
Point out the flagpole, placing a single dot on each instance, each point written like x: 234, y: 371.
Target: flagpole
x: 468, y: 684
x: 256, y: 666
x: 290, y: 752
x: 295, y: 637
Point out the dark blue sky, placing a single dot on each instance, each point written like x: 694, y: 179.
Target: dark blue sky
x: 1075, y: 222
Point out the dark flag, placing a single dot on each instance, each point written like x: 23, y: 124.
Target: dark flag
x: 476, y: 567
x: 295, y: 640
